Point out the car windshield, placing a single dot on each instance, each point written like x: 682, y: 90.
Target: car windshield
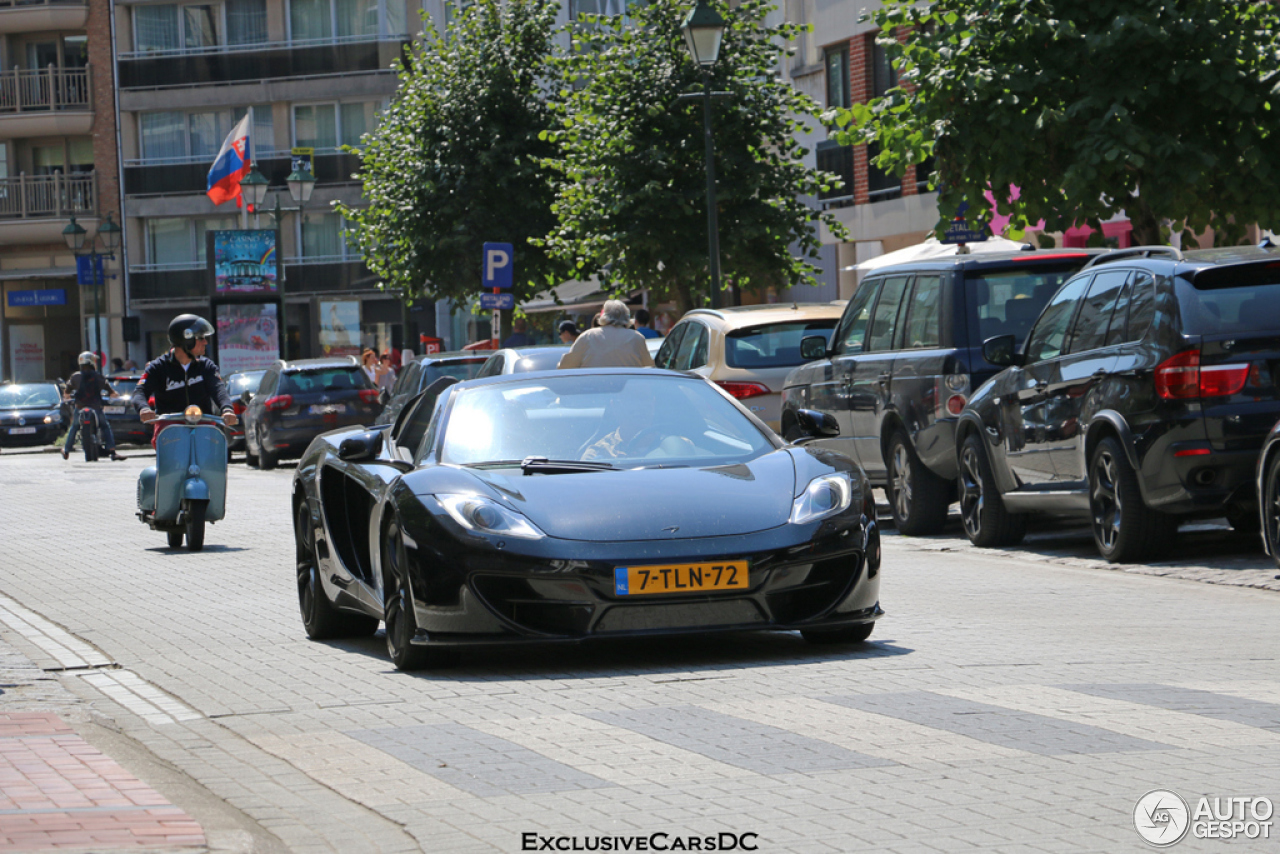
x: 776, y: 345
x: 624, y: 420
x: 29, y: 395
x: 324, y: 379
x: 1218, y: 305
x: 458, y: 370
x: 124, y: 385
x: 238, y: 384
x: 1008, y: 301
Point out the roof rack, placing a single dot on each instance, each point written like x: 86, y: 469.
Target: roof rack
x: 1134, y: 251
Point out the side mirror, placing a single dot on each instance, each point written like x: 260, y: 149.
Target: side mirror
x: 816, y: 425
x: 813, y: 347
x: 1001, y: 351
x: 384, y: 397
x: 361, y: 447
x: 245, y: 397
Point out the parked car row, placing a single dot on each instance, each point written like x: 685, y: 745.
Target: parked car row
x: 1134, y: 388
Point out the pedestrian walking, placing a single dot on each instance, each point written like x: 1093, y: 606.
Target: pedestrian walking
x: 642, y: 325
x: 611, y: 344
x: 568, y: 332
x: 519, y: 336
x: 386, y: 373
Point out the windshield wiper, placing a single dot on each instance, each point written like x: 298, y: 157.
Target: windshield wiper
x: 542, y: 465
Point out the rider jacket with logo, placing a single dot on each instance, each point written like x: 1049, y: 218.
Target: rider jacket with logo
x: 175, y: 388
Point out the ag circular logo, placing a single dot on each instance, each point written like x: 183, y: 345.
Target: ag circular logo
x: 1161, y: 817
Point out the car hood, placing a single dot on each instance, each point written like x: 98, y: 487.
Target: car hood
x: 647, y: 504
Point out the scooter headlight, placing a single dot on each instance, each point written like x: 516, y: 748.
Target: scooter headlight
x: 193, y: 414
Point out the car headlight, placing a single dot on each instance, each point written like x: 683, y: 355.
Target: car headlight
x: 488, y: 517
x: 824, y: 496
x: 53, y: 418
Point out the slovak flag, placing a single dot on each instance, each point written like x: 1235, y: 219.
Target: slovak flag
x: 231, y: 164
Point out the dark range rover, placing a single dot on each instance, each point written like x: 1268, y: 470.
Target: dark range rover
x: 905, y: 357
x: 1142, y: 396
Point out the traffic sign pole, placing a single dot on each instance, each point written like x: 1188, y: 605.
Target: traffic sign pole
x: 496, y: 271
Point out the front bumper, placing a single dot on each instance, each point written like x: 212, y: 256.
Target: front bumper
x: 45, y: 434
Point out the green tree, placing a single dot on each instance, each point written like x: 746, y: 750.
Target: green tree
x: 457, y: 160
x: 1169, y: 111
x: 632, y: 196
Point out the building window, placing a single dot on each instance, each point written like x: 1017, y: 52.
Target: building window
x: 180, y: 241
x: 883, y: 75
x: 199, y: 26
x: 246, y: 21
x: 194, y: 137
x: 837, y: 62
x: 324, y: 237
x: 325, y: 20
x: 325, y: 127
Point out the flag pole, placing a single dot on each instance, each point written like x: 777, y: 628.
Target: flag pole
x: 244, y: 203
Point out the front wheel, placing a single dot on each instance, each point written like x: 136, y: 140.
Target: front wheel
x: 987, y: 522
x: 919, y: 497
x: 1271, y: 506
x: 851, y: 634
x: 195, y: 525
x: 1125, y: 529
x: 397, y: 597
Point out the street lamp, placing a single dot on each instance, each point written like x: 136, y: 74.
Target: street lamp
x: 77, y: 239
x: 703, y: 31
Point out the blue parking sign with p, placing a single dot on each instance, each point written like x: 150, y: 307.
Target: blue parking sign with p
x: 498, y: 265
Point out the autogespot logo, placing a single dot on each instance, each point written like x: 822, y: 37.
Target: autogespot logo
x: 1161, y: 818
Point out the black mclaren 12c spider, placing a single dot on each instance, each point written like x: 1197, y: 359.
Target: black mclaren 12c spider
x: 567, y: 505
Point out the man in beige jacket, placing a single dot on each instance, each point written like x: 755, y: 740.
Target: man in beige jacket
x: 610, y: 345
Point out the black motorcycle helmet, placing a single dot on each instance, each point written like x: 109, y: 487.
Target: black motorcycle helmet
x: 186, y: 329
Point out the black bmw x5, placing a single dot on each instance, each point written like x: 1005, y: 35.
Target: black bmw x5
x: 1140, y: 398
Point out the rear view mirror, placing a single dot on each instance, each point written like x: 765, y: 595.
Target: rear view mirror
x: 361, y: 447
x: 1001, y: 350
x: 245, y: 397
x: 813, y: 347
x: 817, y: 425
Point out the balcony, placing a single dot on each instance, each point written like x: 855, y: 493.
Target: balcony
x: 32, y: 16
x: 182, y: 178
x: 35, y: 209
x: 45, y: 102
x: 190, y: 282
x: 255, y: 63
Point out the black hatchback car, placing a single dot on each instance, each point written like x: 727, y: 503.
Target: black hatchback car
x: 1141, y: 397
x: 299, y: 400
x: 422, y: 372
x: 904, y: 358
x: 31, y: 414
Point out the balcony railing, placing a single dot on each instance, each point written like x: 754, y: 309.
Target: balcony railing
x: 51, y: 88
x: 48, y: 196
x: 190, y: 281
x: 24, y: 4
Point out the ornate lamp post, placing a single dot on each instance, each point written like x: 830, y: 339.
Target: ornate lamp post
x: 703, y: 30
x: 78, y: 241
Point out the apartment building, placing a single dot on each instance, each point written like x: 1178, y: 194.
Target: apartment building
x: 317, y: 74
x: 58, y: 160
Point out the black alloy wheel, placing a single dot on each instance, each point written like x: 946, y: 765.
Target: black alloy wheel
x: 1271, y: 506
x: 849, y: 634
x: 919, y: 497
x: 397, y: 598
x: 1124, y: 528
x: 987, y: 522
x: 319, y: 617
x: 266, y: 459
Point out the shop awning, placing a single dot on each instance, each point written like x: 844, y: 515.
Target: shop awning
x: 41, y: 273
x: 574, y: 296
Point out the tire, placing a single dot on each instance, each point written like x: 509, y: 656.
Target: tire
x: 397, y: 597
x: 1271, y: 506
x: 195, y: 525
x: 851, y: 634
x: 918, y: 497
x: 320, y: 618
x: 89, y: 439
x: 1125, y: 529
x: 250, y: 458
x: 175, y: 538
x: 266, y: 459
x: 987, y: 523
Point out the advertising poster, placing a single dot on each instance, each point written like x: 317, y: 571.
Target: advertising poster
x: 248, y: 336
x: 340, y: 327
x: 26, y: 353
x: 244, y: 262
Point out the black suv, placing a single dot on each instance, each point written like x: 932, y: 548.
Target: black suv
x: 301, y: 399
x: 1142, y: 396
x: 904, y: 358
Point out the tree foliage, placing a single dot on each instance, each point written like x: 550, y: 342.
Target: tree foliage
x: 457, y: 161
x: 631, y: 194
x: 1169, y: 111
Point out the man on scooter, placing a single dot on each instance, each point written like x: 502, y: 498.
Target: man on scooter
x: 85, y: 388
x: 183, y: 376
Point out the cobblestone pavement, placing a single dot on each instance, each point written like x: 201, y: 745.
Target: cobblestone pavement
x: 1014, y: 702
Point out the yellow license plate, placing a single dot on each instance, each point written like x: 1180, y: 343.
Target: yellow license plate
x: 680, y: 578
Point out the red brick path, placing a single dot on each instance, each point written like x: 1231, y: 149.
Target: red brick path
x: 57, y: 791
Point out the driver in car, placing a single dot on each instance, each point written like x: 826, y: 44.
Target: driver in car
x: 643, y: 430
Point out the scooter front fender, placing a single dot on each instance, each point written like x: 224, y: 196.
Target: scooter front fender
x: 195, y: 489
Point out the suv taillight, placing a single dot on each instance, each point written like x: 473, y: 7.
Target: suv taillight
x: 280, y: 401
x: 238, y: 407
x: 744, y: 390
x: 1180, y: 377
x: 369, y: 395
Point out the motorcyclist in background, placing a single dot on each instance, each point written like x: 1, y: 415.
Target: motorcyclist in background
x: 85, y: 388
x: 183, y: 376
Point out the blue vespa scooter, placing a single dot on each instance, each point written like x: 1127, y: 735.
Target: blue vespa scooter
x: 187, y: 487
